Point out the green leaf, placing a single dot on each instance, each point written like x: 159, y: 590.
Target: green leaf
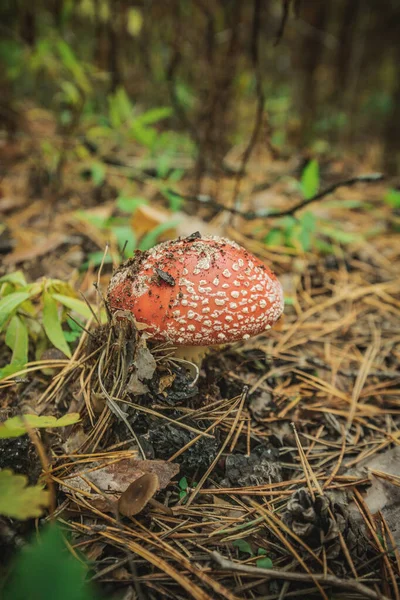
x: 17, y: 340
x: 75, y: 331
x: 154, y: 115
x: 182, y: 494
x: 264, y: 563
x: 18, y: 501
x: 48, y: 569
x: 142, y: 134
x: 392, y: 198
x: 135, y: 21
x: 340, y: 236
x: 183, y: 484
x: 16, y: 426
x: 151, y: 238
x: 10, y: 369
x: 98, y: 173
x: 126, y: 238
x: 52, y: 324
x: 275, y: 237
x: 243, y: 546
x: 17, y: 278
x: 74, y: 304
x: 129, y: 205
x: 95, y: 258
x: 174, y: 199
x: 9, y: 303
x: 310, y: 180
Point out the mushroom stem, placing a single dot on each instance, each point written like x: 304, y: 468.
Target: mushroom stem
x: 160, y: 507
x: 192, y: 354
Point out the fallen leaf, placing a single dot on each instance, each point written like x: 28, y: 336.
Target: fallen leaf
x: 115, y: 478
x: 18, y: 500
x: 39, y: 247
x: 17, y: 426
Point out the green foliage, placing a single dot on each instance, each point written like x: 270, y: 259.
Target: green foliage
x: 185, y: 489
x: 18, y: 500
x: 36, y: 312
x: 263, y: 562
x: 119, y: 227
x: 16, y: 426
x: 47, y: 569
x: 392, y: 198
x: 243, y: 547
x: 306, y: 233
x: 310, y: 180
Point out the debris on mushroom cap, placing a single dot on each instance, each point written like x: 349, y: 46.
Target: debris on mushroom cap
x: 198, y: 291
x: 137, y: 495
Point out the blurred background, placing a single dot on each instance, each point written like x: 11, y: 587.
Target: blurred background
x: 324, y: 74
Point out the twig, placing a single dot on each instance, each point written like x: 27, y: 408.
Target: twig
x: 259, y: 93
x: 272, y: 213
x: 331, y: 580
x: 285, y: 15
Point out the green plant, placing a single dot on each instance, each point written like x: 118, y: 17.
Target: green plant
x: 185, y: 489
x: 119, y: 228
x: 47, y: 569
x: 263, y: 561
x: 37, y: 312
x: 307, y: 232
x: 392, y: 198
x: 17, y: 499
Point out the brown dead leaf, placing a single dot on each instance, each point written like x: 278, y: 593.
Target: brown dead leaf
x: 144, y: 361
x: 40, y: 246
x: 166, y: 381
x: 115, y: 478
x: 146, y: 218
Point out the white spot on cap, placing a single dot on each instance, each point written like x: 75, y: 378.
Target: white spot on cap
x: 205, y: 310
x: 221, y: 336
x: 225, y: 285
x: 219, y: 301
x: 228, y: 318
x: 235, y: 294
x: 184, y: 302
x: 191, y: 328
x: 246, y: 336
x: 216, y: 281
x: 235, y: 267
x: 207, y: 323
x: 190, y: 314
x: 263, y: 303
x: 226, y: 273
x: 233, y: 305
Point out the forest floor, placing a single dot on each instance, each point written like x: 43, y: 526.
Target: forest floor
x: 279, y: 469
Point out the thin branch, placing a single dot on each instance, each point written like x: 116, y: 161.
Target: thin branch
x: 285, y: 15
x: 330, y: 580
x: 250, y: 215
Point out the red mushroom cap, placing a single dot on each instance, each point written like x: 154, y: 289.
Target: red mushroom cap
x: 198, y: 291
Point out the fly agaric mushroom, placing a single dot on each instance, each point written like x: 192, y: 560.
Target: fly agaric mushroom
x: 197, y: 291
